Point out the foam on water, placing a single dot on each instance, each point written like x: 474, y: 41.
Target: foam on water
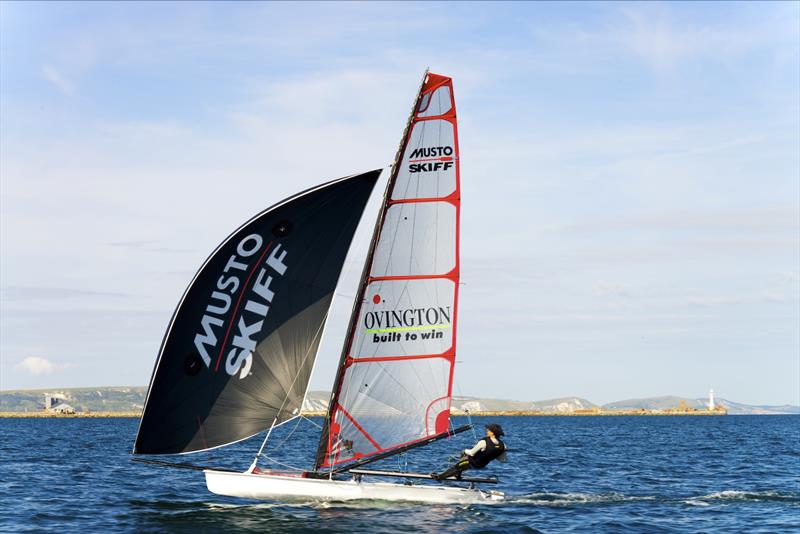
x: 572, y: 499
x: 568, y: 499
x: 733, y: 495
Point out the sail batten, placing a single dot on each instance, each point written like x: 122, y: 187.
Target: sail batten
x: 394, y: 384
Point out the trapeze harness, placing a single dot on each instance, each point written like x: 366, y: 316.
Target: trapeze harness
x: 492, y: 451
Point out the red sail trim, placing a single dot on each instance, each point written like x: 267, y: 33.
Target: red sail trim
x: 443, y: 158
x: 449, y: 355
x: 428, y: 409
x: 239, y: 303
x: 455, y: 198
x: 393, y: 447
x: 359, y: 427
x: 449, y: 117
x: 432, y: 85
x: 433, y: 82
x: 452, y: 199
x: 452, y: 275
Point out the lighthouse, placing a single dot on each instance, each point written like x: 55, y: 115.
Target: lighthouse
x: 711, y: 400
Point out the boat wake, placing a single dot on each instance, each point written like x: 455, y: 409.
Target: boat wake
x: 570, y: 499
x: 732, y: 495
x: 573, y: 499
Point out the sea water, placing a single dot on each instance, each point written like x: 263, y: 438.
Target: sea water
x: 564, y: 474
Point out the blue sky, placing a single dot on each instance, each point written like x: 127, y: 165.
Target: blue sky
x: 631, y: 179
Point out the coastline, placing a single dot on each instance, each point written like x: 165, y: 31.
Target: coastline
x: 80, y: 415
x: 498, y: 413
x: 583, y: 413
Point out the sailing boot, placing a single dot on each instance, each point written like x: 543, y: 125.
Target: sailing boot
x: 454, y: 470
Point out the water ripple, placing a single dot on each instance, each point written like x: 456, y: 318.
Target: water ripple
x: 588, y: 474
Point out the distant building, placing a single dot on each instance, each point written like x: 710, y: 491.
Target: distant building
x: 711, y: 405
x: 51, y: 400
x: 55, y: 403
x: 63, y: 408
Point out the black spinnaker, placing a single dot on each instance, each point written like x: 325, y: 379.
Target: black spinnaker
x: 238, y: 353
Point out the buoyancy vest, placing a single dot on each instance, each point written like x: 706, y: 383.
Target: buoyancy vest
x: 482, y: 458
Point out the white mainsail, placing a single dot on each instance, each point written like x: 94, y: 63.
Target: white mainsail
x: 395, y: 379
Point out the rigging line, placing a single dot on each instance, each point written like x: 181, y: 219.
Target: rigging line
x: 289, y: 435
x: 288, y: 391
x: 273, y: 460
x: 311, y: 421
x: 402, y: 462
x: 469, y: 417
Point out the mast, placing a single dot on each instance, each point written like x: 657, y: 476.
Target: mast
x: 362, y: 285
x: 394, y: 381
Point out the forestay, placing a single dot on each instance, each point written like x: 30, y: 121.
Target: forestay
x: 394, y: 383
x: 240, y: 347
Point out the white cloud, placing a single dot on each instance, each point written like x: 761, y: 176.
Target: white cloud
x: 609, y: 289
x: 37, y: 365
x: 64, y: 86
x: 665, y: 38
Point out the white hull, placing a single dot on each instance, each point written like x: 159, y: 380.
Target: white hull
x: 287, y: 487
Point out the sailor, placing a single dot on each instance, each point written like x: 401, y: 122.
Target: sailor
x: 488, y: 449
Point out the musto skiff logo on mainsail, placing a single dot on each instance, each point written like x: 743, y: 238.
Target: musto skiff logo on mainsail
x: 247, y: 268
x: 428, y: 159
x: 411, y: 324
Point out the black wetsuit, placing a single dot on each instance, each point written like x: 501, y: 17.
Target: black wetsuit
x: 478, y: 461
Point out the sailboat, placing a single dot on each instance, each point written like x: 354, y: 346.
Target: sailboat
x: 240, y: 349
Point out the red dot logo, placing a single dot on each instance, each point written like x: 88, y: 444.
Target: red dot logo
x: 376, y: 299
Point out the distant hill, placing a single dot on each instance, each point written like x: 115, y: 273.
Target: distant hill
x: 475, y: 404
x: 670, y: 401
x: 655, y: 403
x: 131, y: 399
x: 735, y: 408
x: 109, y: 399
x: 562, y: 405
x: 316, y: 401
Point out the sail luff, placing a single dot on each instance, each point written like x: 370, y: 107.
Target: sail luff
x: 394, y: 383
x: 324, y: 442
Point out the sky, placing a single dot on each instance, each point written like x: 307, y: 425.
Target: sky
x: 630, y: 180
